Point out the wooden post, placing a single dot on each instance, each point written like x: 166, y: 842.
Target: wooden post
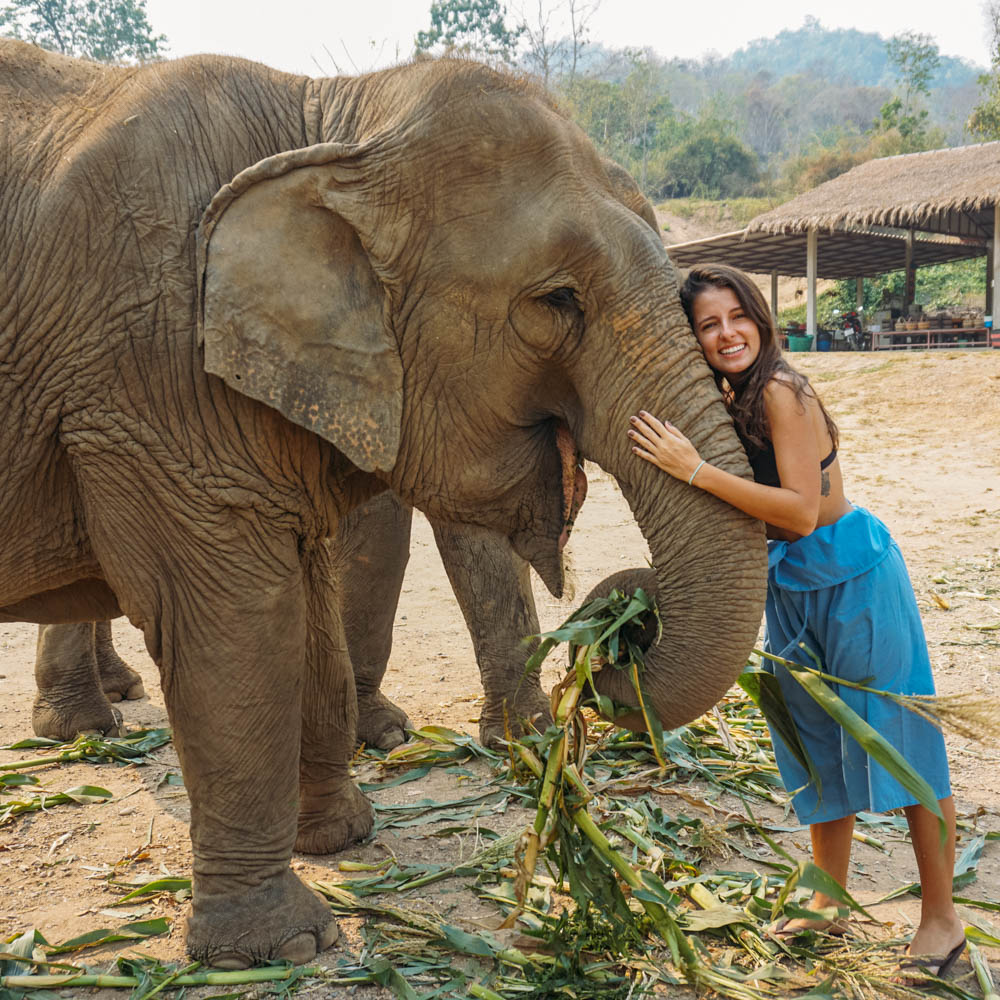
x: 774, y: 297
x: 811, y: 255
x: 859, y: 293
x: 990, y: 257
x: 995, y: 276
x: 910, y: 288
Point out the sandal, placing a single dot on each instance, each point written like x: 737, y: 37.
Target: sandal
x: 935, y: 967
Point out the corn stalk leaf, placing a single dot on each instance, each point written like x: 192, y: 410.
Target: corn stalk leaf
x: 158, y: 885
x: 137, y: 931
x: 871, y: 741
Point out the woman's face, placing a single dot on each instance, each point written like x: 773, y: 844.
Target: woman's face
x: 729, y: 338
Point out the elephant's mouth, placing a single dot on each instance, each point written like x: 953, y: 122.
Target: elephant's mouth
x: 574, y: 481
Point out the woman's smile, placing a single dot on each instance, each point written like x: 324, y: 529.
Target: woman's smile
x: 729, y: 338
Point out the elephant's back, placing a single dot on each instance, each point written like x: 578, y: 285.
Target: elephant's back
x: 35, y: 82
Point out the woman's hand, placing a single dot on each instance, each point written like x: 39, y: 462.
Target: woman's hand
x: 663, y: 444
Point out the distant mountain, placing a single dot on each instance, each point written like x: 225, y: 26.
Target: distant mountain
x: 842, y: 55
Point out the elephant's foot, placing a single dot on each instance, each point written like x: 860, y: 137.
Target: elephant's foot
x: 532, y: 710
x: 381, y: 724
x: 333, y: 822
x: 279, y: 919
x: 118, y: 680
x: 64, y: 722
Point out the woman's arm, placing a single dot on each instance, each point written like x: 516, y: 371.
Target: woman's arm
x: 794, y: 506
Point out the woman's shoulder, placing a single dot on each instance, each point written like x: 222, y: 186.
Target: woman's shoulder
x: 789, y: 392
x: 788, y: 384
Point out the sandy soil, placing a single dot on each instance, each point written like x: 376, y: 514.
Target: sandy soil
x: 920, y: 447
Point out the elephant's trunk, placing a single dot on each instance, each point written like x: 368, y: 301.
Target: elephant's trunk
x: 709, y: 558
x: 710, y: 591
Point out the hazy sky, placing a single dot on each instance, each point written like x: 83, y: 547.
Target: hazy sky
x: 295, y: 35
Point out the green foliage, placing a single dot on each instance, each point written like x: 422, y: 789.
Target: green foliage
x: 475, y: 26
x: 822, y: 164
x: 778, y: 117
x: 631, y: 120
x: 915, y: 57
x: 938, y: 286
x: 711, y: 163
x: 984, y: 122
x: 108, y: 31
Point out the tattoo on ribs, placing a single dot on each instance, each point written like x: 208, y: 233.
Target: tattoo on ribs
x: 824, y: 483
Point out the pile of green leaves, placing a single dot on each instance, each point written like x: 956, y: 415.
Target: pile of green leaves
x: 646, y: 882
x: 131, y: 749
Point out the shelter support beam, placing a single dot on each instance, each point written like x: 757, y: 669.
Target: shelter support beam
x: 993, y: 279
x: 859, y: 293
x: 774, y: 296
x: 811, y: 259
x: 910, y: 288
x: 990, y: 264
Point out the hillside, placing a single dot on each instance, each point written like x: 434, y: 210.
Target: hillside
x: 777, y: 116
x: 842, y: 55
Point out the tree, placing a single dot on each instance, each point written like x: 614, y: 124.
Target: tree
x: 985, y: 118
x: 542, y: 47
x: 915, y: 57
x: 630, y: 121
x: 475, y: 26
x: 109, y: 31
x: 710, y: 163
x: 580, y: 12
x: 647, y: 107
x: 766, y: 115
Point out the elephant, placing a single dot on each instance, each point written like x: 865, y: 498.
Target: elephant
x: 238, y: 303
x: 79, y: 674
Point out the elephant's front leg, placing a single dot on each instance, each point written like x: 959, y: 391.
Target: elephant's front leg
x: 493, y: 588
x: 69, y: 699
x: 332, y: 810
x: 231, y: 646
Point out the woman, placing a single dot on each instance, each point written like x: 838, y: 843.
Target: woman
x: 836, y: 583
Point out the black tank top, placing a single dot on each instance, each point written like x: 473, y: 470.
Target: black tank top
x: 765, y: 466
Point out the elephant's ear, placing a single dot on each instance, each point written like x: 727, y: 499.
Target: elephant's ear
x: 627, y: 192
x: 291, y: 310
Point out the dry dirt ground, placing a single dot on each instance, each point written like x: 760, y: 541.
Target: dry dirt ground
x: 920, y: 447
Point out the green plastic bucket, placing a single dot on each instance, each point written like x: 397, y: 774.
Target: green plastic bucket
x: 799, y: 343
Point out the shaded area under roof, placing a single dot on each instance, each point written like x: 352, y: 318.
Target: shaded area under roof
x: 943, y: 191
x: 840, y: 254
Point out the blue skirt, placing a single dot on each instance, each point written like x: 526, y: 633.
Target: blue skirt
x: 844, y: 592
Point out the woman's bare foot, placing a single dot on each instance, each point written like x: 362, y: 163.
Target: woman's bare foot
x: 915, y: 967
x: 938, y: 937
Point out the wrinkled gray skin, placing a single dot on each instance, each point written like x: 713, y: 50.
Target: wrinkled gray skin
x: 235, y: 304
x: 78, y: 672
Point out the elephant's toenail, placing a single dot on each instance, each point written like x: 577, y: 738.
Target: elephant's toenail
x: 299, y: 949
x: 329, y: 935
x: 230, y: 960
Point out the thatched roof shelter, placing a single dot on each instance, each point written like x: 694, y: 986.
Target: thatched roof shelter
x: 950, y: 191
x: 840, y: 254
x: 896, y: 212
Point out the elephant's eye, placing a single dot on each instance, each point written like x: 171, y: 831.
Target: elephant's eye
x: 561, y: 298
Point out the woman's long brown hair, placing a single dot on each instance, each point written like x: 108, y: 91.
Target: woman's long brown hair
x: 745, y: 397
